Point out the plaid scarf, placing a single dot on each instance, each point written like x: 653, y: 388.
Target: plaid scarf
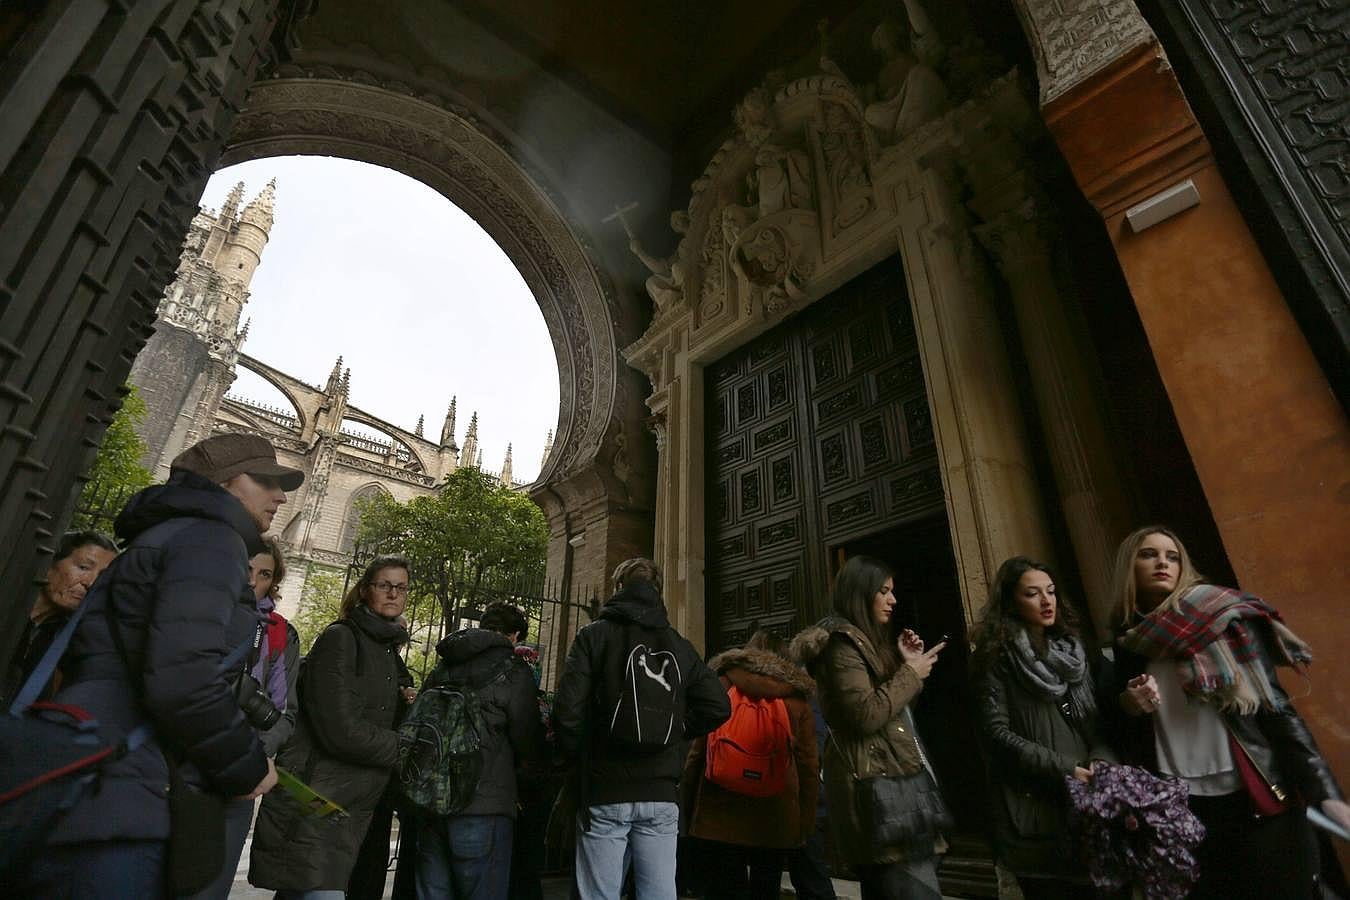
x: 1210, y: 633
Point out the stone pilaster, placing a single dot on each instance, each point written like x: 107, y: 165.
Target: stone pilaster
x: 1093, y: 503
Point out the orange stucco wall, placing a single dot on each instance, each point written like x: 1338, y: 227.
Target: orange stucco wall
x: 1269, y: 441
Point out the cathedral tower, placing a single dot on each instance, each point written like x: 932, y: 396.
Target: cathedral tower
x: 188, y: 364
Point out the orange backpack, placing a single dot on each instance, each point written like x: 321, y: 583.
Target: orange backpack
x: 751, y: 752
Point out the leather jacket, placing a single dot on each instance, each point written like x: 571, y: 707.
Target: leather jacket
x: 1277, y: 741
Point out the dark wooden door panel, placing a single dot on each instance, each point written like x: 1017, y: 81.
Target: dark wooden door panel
x: 819, y: 431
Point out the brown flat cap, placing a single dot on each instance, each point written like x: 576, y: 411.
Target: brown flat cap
x: 224, y: 456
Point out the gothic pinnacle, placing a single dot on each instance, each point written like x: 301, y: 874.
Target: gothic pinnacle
x: 230, y: 208
x: 334, y: 377
x: 421, y: 420
x: 259, y: 210
x: 507, y: 475
x: 448, y: 429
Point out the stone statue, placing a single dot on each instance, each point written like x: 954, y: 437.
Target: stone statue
x: 908, y: 91
x: 781, y: 179
x: 666, y: 284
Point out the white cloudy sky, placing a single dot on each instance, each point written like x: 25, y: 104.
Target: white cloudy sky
x: 369, y: 264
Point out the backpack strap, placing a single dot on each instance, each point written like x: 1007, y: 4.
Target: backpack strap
x: 360, y: 654
x: 46, y: 666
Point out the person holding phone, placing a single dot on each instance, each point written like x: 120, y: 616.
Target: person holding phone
x: 867, y: 683
x: 1038, y: 724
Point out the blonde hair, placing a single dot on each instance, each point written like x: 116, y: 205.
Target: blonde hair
x: 1123, y: 588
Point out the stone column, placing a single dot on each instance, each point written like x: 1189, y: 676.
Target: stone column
x: 994, y: 507
x: 1267, y: 436
x: 1094, y: 505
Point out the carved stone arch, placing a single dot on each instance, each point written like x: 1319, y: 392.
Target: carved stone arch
x: 395, y: 435
x: 284, y: 389
x: 448, y: 148
x: 351, y: 522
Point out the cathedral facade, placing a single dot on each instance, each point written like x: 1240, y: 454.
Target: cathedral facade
x: 186, y: 370
x: 938, y: 282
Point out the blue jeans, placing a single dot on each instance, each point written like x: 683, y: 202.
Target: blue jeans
x: 464, y: 858
x: 643, y: 833
x: 94, y: 870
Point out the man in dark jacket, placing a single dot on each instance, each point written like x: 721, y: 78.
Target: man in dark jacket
x: 468, y: 854
x: 167, y: 628
x: 628, y: 798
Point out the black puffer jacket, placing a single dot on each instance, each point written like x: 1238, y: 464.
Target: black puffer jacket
x: 486, y: 662
x: 610, y: 774
x: 344, y: 746
x: 182, y: 602
x: 1031, y: 746
x: 1276, y: 740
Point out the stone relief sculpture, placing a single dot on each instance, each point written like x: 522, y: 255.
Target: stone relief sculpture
x: 908, y: 91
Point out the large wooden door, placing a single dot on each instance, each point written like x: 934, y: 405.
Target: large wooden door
x: 818, y: 432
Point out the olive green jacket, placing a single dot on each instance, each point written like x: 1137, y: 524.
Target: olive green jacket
x: 869, y: 733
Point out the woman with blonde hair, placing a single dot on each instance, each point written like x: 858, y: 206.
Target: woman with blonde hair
x: 345, y: 745
x: 1197, y: 698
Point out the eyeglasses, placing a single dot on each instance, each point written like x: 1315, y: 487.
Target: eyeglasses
x: 388, y: 587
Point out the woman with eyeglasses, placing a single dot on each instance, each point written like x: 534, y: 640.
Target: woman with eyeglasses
x: 345, y: 744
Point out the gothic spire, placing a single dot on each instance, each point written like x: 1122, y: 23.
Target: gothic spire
x: 346, y: 382
x: 230, y: 208
x: 548, y: 448
x: 448, y: 429
x: 259, y: 210
x: 471, y: 454
x: 506, y: 468
x: 334, y: 378
x: 421, y: 420
x: 243, y: 334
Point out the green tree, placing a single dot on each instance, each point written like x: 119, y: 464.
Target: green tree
x: 117, y: 472
x: 471, y: 541
x: 320, y: 603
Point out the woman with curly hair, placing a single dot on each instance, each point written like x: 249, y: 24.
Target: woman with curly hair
x: 1197, y: 698
x: 1038, y: 723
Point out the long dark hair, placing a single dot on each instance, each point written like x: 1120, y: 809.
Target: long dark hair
x: 356, y: 595
x: 855, y: 588
x: 1000, y: 620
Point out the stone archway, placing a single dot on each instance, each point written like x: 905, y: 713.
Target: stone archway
x: 352, y: 115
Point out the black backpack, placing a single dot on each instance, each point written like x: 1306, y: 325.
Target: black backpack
x: 646, y: 702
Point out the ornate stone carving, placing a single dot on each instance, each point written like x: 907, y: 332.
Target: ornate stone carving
x: 908, y: 91
x: 1072, y: 39
x: 845, y: 162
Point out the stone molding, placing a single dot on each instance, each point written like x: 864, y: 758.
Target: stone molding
x: 357, y: 115
x: 1072, y: 40
x: 391, y: 472
x: 747, y: 264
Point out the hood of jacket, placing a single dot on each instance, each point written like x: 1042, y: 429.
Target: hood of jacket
x: 811, y: 642
x: 186, y: 494
x: 475, y: 655
x: 760, y: 673
x: 639, y: 603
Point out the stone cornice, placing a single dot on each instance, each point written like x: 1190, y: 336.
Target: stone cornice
x: 385, y: 471
x: 1073, y: 40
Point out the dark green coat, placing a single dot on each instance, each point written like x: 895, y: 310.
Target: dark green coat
x: 344, y: 746
x: 1031, y: 746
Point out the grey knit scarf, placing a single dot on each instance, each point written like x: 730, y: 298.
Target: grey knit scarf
x: 1058, y: 674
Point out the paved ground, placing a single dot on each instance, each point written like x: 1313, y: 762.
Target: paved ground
x: 554, y: 888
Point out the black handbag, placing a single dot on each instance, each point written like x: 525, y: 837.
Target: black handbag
x: 196, y: 851
x: 905, y: 811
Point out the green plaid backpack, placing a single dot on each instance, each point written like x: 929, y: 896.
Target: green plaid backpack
x: 440, y: 744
